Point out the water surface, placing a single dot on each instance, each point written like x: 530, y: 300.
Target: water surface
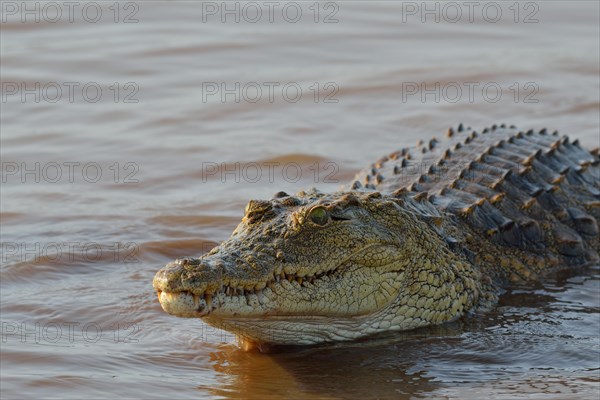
x: 177, y: 164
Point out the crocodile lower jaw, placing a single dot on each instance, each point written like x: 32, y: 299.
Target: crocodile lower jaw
x: 181, y: 304
x: 247, y: 307
x: 189, y: 305
x: 251, y: 332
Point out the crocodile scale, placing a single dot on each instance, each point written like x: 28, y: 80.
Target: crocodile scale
x: 532, y: 190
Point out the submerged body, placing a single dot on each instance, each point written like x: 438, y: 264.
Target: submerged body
x: 422, y: 237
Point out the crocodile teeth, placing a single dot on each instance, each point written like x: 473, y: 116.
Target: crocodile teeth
x: 278, y: 278
x: 261, y: 297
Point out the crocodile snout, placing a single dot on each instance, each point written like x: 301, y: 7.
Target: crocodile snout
x: 168, y: 278
x: 185, y: 287
x: 188, y: 275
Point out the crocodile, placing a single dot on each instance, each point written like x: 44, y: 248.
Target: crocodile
x: 424, y: 236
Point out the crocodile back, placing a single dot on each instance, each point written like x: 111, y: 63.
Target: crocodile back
x: 535, y: 191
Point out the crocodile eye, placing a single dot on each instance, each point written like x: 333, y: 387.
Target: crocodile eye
x: 319, y: 216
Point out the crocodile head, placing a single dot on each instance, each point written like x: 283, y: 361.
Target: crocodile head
x: 319, y: 267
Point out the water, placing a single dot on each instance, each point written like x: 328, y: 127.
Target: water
x: 159, y: 167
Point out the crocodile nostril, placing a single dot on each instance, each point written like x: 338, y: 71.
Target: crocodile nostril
x: 183, y: 261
